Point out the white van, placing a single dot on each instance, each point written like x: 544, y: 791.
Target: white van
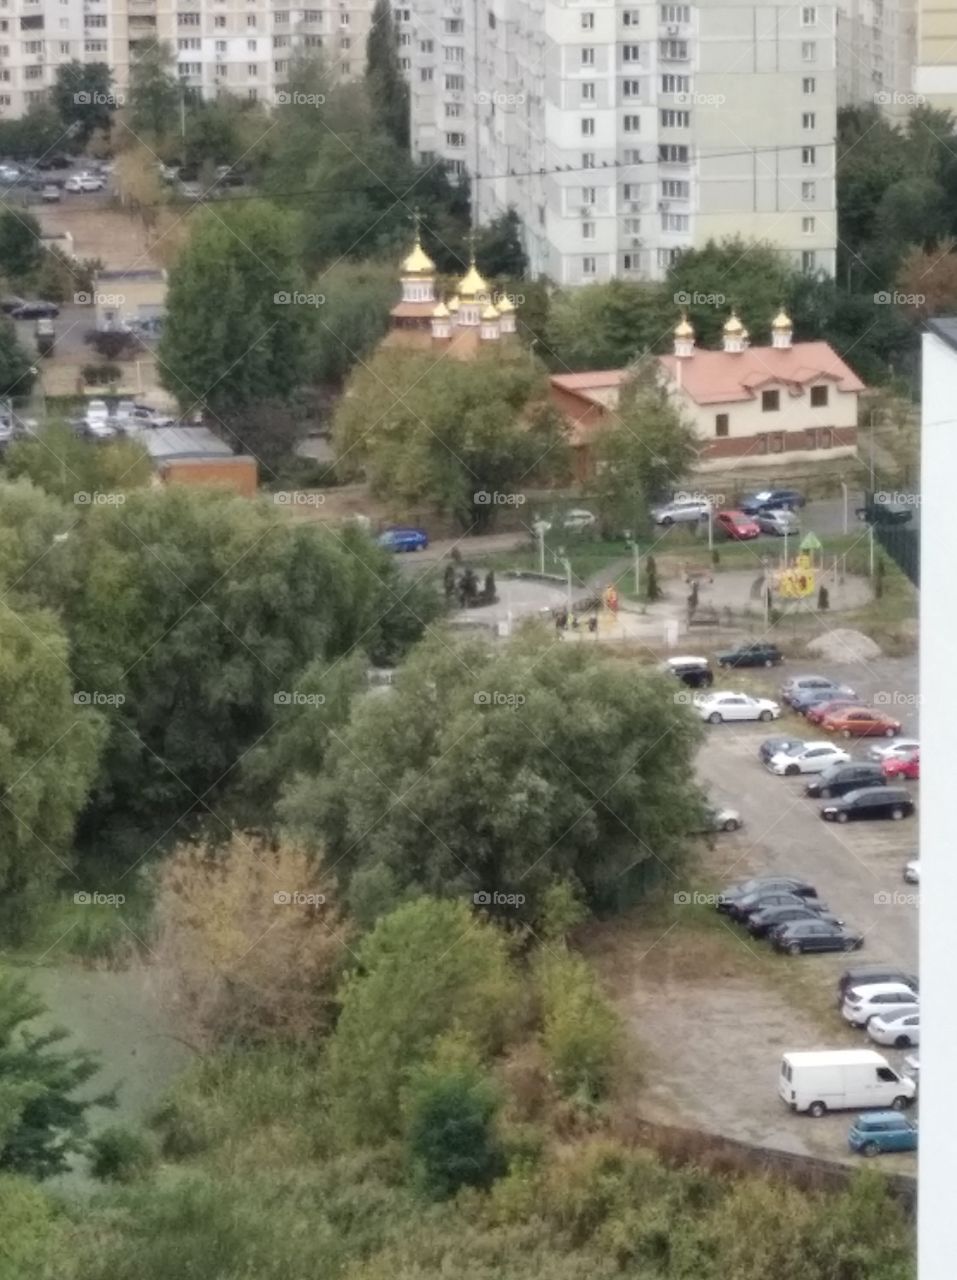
x: 835, y: 1079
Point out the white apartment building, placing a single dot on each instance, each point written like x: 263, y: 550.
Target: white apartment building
x: 624, y: 131
x: 876, y: 49
x: 242, y: 47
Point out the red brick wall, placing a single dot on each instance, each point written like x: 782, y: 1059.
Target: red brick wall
x: 240, y: 474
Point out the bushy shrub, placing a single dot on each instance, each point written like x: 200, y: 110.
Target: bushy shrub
x: 581, y: 1034
x: 119, y: 1154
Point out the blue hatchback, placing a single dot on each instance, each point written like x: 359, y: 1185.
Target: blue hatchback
x: 882, y: 1131
x: 403, y: 538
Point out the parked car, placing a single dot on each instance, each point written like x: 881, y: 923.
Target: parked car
x: 772, y: 747
x: 9, y: 303
x: 814, y: 684
x: 724, y: 818
x: 779, y: 521
x: 578, y: 520
x: 866, y: 1002
x: 403, y: 538
x: 757, y: 653
x: 84, y: 182
x: 900, y: 1030
x: 902, y: 767
x: 49, y: 193
x: 772, y: 500
x: 760, y: 923
x: 839, y: 1079
x: 805, y: 699
x: 741, y: 909
x: 736, y: 525
x: 882, y: 1131
x: 742, y: 888
x: 870, y: 802
x: 694, y: 672
x: 861, y: 722
x: 814, y: 757
x: 97, y: 411
x: 882, y: 751
x: 721, y: 706
x: 815, y: 713
x: 681, y: 511
x: 912, y: 871
x: 864, y: 975
x: 839, y: 779
x: 800, y: 936
x: 885, y: 513
x: 35, y: 310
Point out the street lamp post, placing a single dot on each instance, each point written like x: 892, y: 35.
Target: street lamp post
x: 567, y: 566
x: 540, y: 528
x: 844, y: 492
x: 636, y: 559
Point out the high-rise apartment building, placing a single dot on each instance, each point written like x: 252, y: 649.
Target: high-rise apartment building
x: 241, y: 47
x: 624, y: 131
x: 935, y: 75
x: 876, y: 44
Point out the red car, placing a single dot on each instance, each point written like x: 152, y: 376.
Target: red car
x: 902, y: 767
x: 861, y: 722
x: 820, y: 710
x: 737, y: 525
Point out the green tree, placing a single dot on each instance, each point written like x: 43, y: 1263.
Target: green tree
x: 451, y: 433
x: 83, y: 97
x: 385, y: 81
x: 16, y: 368
x: 643, y: 452
x: 606, y: 326
x: 42, y: 1123
x: 155, y: 92
x: 498, y: 247
x: 352, y: 319
x: 235, y: 334
x: 753, y: 276
x: 59, y: 462
x: 427, y: 968
x: 36, y: 134
x: 588, y: 765
x: 19, y: 243
x: 581, y: 1033
x: 450, y: 1133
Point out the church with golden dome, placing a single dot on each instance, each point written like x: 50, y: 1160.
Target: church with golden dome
x: 474, y: 318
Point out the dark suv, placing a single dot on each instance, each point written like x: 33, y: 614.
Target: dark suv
x: 870, y: 802
x: 772, y: 500
x: 694, y: 672
x: 841, y: 778
x: 758, y: 654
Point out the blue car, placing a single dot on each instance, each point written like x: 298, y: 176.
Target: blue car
x: 772, y: 500
x: 882, y: 1131
x: 403, y: 538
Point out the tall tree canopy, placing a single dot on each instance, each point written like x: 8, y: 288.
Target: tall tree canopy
x: 385, y: 81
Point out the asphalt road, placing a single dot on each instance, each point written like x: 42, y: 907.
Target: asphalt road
x: 856, y: 867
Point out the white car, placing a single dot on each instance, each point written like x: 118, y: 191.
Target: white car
x: 682, y: 511
x: 896, y: 749
x: 84, y: 182
x: 900, y: 1030
x: 717, y: 707
x: 884, y: 998
x: 578, y: 519
x: 97, y: 411
x: 812, y: 757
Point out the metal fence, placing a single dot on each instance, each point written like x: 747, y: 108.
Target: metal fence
x: 900, y: 541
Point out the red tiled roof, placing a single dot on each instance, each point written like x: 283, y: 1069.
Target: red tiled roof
x: 589, y: 381
x: 722, y: 377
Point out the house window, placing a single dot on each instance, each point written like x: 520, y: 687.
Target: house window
x: 808, y: 261
x: 630, y: 18
x: 588, y: 127
x: 588, y: 21
x: 588, y: 91
x: 454, y: 26
x: 675, y: 189
x: 589, y: 266
x: 426, y: 74
x: 632, y: 124
x: 808, y: 16
x: 674, y: 222
x: 669, y: 153
x: 721, y: 423
x: 675, y: 84
x: 632, y: 226
x: 630, y: 262
x: 675, y: 13
x: 674, y: 50
x: 453, y: 110
x: 808, y: 120
x: 455, y: 84
x: 427, y: 46
x: 588, y: 230
x: 808, y: 86
x: 631, y: 88
x: 588, y: 57
x: 588, y: 159
x: 455, y: 139
x: 770, y: 401
x: 818, y: 397
x: 631, y: 191
x: 808, y: 51
x: 631, y: 53
x: 808, y: 156
x: 808, y: 191
x: 808, y: 226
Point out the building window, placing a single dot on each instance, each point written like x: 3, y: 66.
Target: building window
x: 675, y: 119
x: 809, y: 16
x: 632, y: 124
x: 808, y: 191
x: 674, y: 222
x: 220, y: 46
x: 808, y: 226
x: 453, y: 110
x: 589, y: 195
x: 588, y: 57
x: 808, y: 120
x: 668, y: 257
x: 217, y: 22
x: 808, y: 51
x: 721, y: 423
x: 454, y: 26
x: 770, y: 401
x: 631, y: 88
x: 588, y: 21
x: 630, y: 262
x: 632, y: 155
x: 670, y: 153
x: 588, y: 230
x: 588, y: 126
x: 631, y: 53
x: 252, y: 70
x: 630, y: 191
x: 819, y: 397
x: 675, y: 13
x: 630, y: 18
x: 675, y: 84
x: 589, y: 266
x: 674, y: 50
x: 455, y: 53
x: 343, y: 19
x: 455, y: 139
x: 825, y: 437
x: 672, y: 189
x: 455, y: 84
x: 427, y: 46
x: 250, y: 46
x: 808, y: 86
x: 588, y: 91
x: 250, y: 19
x: 808, y: 156
x: 426, y: 74
x: 588, y: 159
x: 632, y: 226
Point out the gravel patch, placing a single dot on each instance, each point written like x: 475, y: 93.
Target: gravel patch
x: 845, y: 645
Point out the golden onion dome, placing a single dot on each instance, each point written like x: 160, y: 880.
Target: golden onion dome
x: 782, y: 321
x: 491, y: 312
x: 733, y: 326
x: 418, y: 263
x: 472, y: 283
x: 453, y: 305
x: 441, y: 312
x: 684, y: 329
x: 505, y: 306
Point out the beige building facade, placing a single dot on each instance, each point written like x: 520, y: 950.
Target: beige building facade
x: 935, y: 75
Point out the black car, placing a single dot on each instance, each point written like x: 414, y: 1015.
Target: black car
x: 757, y: 654
x: 839, y: 779
x: 864, y: 975
x: 885, y: 513
x: 772, y: 500
x: 761, y: 923
x: 775, y: 746
x: 10, y: 302
x: 814, y: 935
x: 53, y: 162
x: 694, y: 672
x: 870, y: 802
x: 35, y: 310
x: 740, y: 888
x: 743, y: 908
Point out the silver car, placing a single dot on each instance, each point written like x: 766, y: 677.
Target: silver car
x: 684, y: 511
x: 779, y: 522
